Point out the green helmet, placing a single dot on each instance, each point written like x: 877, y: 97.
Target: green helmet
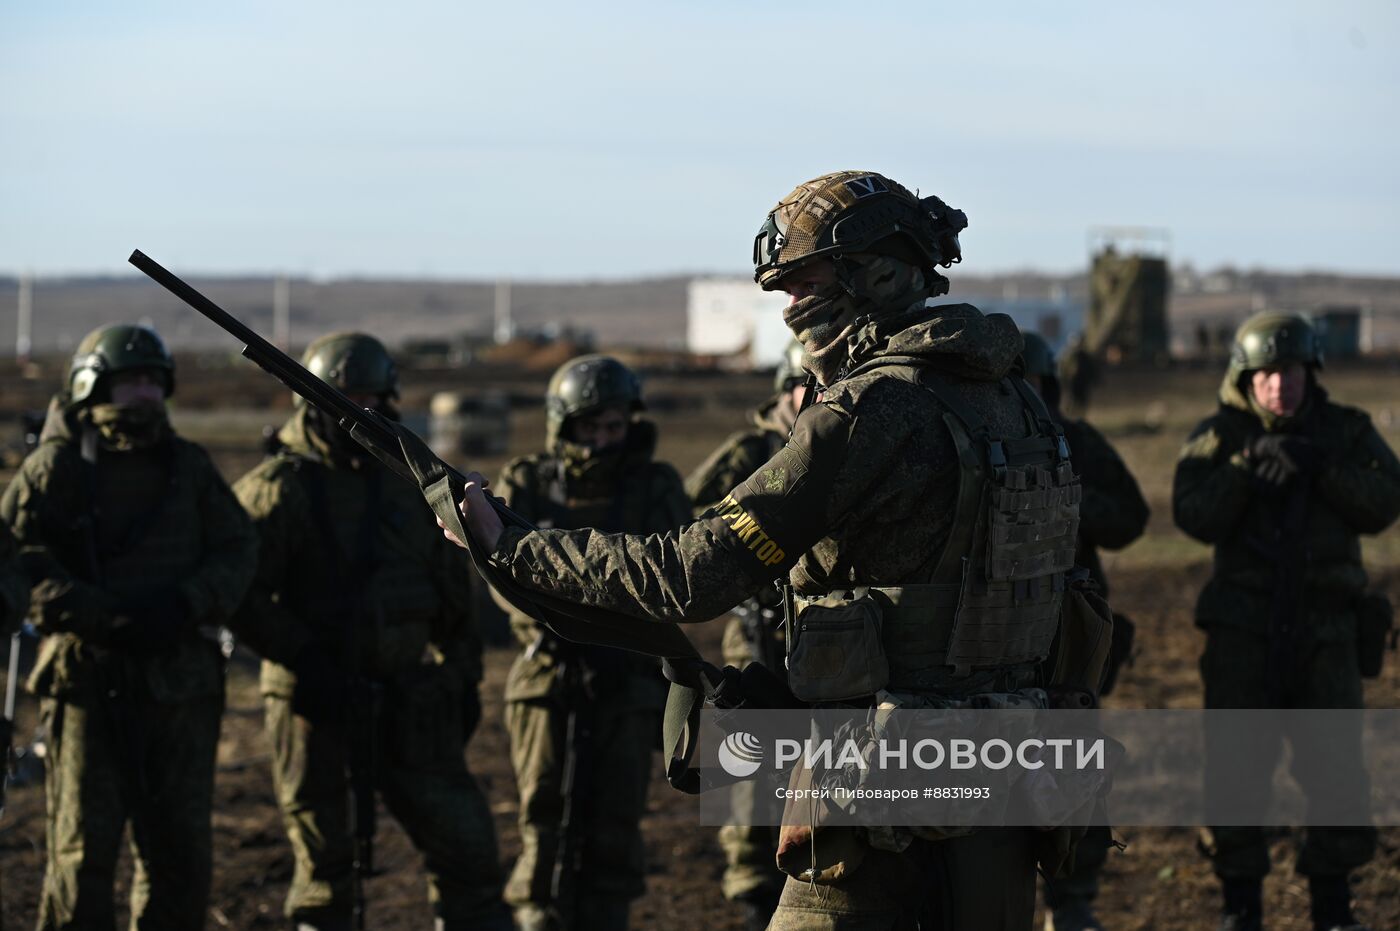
x: 107, y: 350
x: 854, y: 211
x: 588, y: 384
x: 1037, y: 355
x: 1270, y: 339
x: 356, y: 363
x: 790, y: 372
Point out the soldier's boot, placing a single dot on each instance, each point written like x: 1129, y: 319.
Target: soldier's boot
x: 1244, y: 905
x: 1331, y: 904
x: 500, y: 923
x: 532, y: 917
x: 1076, y: 914
x: 603, y: 913
x: 334, y: 924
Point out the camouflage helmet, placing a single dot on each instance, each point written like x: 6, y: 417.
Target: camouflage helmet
x: 1037, y: 355
x: 123, y: 347
x: 854, y: 211
x: 589, y: 384
x: 790, y: 372
x: 356, y: 363
x: 1270, y: 339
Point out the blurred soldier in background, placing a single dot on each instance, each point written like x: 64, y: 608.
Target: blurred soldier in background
x: 1282, y: 482
x: 1080, y: 371
x: 138, y: 551
x: 584, y: 720
x: 363, y: 618
x: 1112, y: 514
x: 751, y: 876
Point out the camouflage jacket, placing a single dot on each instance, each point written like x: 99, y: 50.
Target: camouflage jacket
x: 737, y: 458
x: 868, y: 481
x: 131, y: 524
x: 1216, y: 499
x: 566, y: 489
x: 14, y: 583
x: 380, y: 586
x: 1112, y: 512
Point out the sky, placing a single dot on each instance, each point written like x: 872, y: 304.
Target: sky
x: 613, y: 140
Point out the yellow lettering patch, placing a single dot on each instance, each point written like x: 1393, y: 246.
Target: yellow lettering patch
x: 749, y: 532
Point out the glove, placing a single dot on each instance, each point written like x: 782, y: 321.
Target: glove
x: 1280, y: 457
x: 320, y: 692
x: 150, y: 621
x: 471, y: 711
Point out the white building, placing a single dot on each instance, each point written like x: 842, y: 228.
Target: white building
x: 735, y: 317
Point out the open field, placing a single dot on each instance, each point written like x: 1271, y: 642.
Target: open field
x: 1158, y: 882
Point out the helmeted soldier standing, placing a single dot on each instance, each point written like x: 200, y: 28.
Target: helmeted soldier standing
x: 583, y: 720
x: 1282, y: 482
x: 1112, y: 514
x: 139, y: 551
x: 751, y: 877
x: 370, y: 657
x: 869, y: 492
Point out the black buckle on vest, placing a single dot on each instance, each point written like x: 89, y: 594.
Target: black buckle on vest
x: 996, y: 457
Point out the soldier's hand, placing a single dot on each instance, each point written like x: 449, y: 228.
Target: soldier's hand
x: 1280, y: 457
x: 478, y: 516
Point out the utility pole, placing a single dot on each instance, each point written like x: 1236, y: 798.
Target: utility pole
x: 505, y: 329
x: 282, y: 312
x: 24, y: 320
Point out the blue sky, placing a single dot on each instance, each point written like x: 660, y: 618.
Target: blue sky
x: 618, y: 139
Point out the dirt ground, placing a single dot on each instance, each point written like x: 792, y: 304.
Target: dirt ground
x: 1158, y: 882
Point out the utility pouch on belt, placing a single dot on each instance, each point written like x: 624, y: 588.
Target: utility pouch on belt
x: 837, y: 653
x: 1079, y: 655
x: 1375, y: 617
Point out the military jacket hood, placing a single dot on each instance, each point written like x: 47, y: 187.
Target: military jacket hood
x: 298, y: 437
x: 1234, y: 395
x: 955, y: 339
x: 586, y: 470
x: 769, y: 418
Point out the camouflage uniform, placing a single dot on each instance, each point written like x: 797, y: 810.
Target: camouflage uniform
x: 1219, y: 498
x: 751, y: 875
x: 148, y: 532
x: 354, y: 573
x: 1112, y: 514
x: 615, y: 696
x: 868, y: 487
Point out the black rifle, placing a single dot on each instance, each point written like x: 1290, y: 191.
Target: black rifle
x: 1289, y: 553
x: 575, y: 783
x: 7, y: 723
x: 365, y: 425
x: 363, y: 720
x: 760, y: 618
x: 443, y: 486
x: 364, y: 738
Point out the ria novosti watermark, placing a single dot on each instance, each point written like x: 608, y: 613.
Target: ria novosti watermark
x: 991, y: 767
x: 741, y: 754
